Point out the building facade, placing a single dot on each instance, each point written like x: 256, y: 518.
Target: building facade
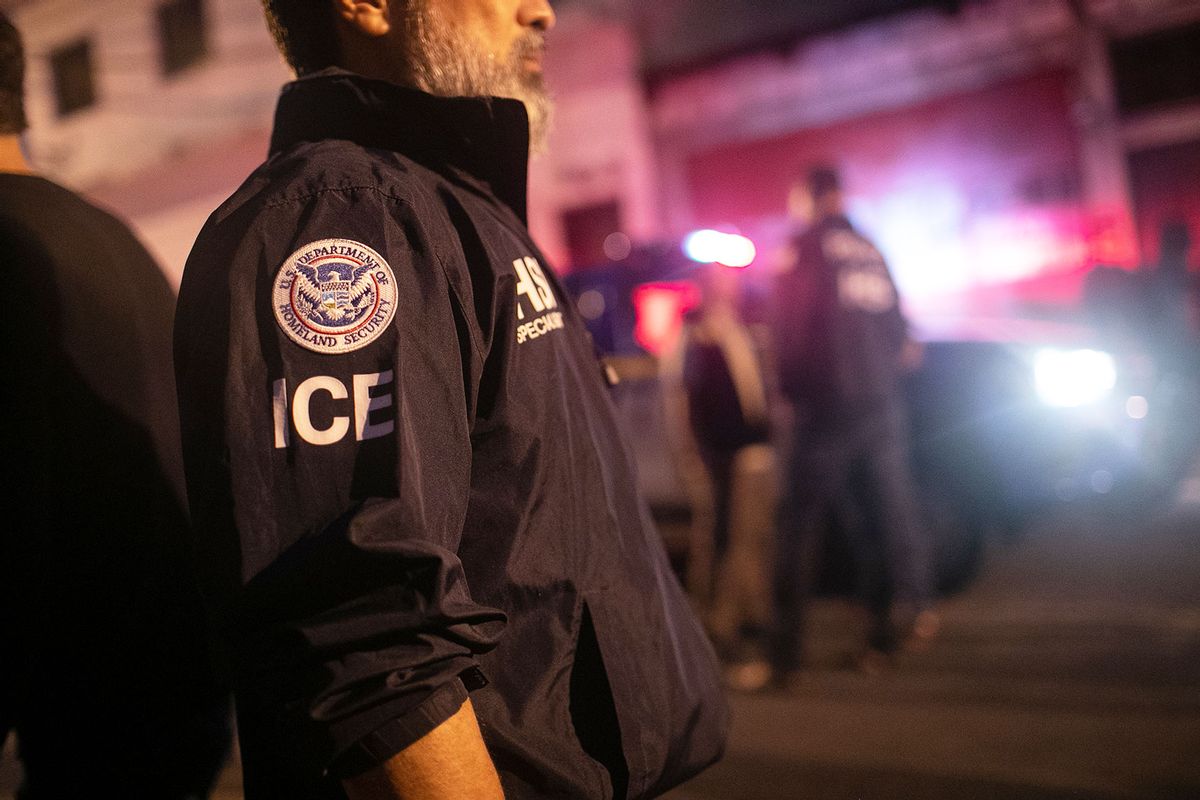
x: 996, y: 151
x: 993, y: 142
x: 152, y: 107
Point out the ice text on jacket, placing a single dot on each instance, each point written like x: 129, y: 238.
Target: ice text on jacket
x: 372, y: 395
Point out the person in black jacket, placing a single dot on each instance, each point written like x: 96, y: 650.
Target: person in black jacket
x: 417, y: 518
x: 842, y: 343
x: 104, y: 675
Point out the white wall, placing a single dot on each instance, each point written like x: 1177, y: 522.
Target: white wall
x: 145, y: 128
x: 142, y: 119
x: 161, y: 152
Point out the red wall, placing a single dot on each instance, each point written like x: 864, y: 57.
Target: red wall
x: 987, y: 141
x: 973, y: 190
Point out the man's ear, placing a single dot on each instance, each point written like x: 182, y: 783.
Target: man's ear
x: 371, y: 18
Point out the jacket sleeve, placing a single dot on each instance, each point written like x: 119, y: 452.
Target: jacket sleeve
x: 330, y: 484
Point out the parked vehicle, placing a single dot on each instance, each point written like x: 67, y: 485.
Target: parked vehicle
x: 1010, y: 419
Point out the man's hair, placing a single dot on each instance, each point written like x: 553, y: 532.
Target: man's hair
x: 304, y: 33
x: 821, y: 180
x: 12, y: 78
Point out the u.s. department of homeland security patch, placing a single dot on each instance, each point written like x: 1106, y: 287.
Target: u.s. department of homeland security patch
x: 334, y: 296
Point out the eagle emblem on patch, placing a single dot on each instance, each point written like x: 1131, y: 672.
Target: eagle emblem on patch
x: 334, y: 296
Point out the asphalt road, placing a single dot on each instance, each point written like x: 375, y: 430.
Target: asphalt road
x: 1070, y: 669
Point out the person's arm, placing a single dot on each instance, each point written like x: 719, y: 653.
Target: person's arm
x: 686, y: 453
x: 676, y: 410
x: 449, y: 762
x: 909, y: 352
x: 332, y: 486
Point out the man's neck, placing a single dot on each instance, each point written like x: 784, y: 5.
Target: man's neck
x: 12, y: 159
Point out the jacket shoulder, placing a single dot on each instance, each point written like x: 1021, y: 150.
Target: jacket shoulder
x: 309, y: 170
x: 311, y: 185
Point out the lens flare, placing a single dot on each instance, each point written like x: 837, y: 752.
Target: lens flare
x: 1072, y: 378
x: 715, y: 247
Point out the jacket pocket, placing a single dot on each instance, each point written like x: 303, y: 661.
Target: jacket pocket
x: 661, y: 676
x: 593, y: 710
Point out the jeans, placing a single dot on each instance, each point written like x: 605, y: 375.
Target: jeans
x: 861, y: 463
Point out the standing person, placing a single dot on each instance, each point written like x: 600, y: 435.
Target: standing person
x: 842, y: 343
x: 716, y: 392
x: 1169, y: 330
x: 1172, y: 296
x: 103, y: 674
x: 419, y: 522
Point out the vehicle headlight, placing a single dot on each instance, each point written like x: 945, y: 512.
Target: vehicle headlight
x: 1070, y: 378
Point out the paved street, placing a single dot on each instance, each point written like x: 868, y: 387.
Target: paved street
x: 1070, y: 669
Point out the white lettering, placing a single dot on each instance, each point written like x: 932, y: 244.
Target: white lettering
x: 279, y: 405
x: 338, y: 427
x: 526, y: 286
x: 539, y: 327
x: 543, y: 285
x: 364, y: 404
x: 866, y: 290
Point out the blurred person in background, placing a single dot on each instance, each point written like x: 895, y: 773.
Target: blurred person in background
x: 1152, y: 317
x: 103, y: 669
x: 1172, y: 300
x: 1171, y: 331
x: 419, y: 520
x: 716, y: 394
x: 842, y: 345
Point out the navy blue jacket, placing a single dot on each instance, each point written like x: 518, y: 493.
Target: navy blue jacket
x: 406, y: 468
x: 839, y: 329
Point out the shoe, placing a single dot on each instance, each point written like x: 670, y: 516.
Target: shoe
x: 924, y: 629
x: 875, y: 663
x: 749, y: 677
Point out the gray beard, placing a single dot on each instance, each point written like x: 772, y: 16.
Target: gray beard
x: 443, y: 62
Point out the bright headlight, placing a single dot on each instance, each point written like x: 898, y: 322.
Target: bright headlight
x: 1070, y: 378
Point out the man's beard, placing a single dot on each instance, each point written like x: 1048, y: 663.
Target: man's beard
x: 444, y: 62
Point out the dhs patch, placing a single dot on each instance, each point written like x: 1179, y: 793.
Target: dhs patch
x: 334, y: 296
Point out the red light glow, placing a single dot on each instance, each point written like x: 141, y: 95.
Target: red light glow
x: 660, y: 308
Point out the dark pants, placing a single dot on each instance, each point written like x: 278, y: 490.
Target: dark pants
x: 859, y: 465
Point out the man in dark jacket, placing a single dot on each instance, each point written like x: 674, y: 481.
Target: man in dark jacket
x: 103, y: 669
x: 842, y: 342
x: 403, y: 461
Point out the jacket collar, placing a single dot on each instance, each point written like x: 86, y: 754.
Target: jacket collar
x: 481, y: 139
